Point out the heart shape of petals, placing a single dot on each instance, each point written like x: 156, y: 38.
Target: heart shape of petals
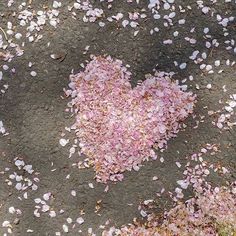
x: 118, y: 126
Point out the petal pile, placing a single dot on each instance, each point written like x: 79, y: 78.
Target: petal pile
x: 208, y: 214
x: 117, y: 125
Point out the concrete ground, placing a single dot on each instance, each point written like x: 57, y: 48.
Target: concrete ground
x: 33, y: 112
